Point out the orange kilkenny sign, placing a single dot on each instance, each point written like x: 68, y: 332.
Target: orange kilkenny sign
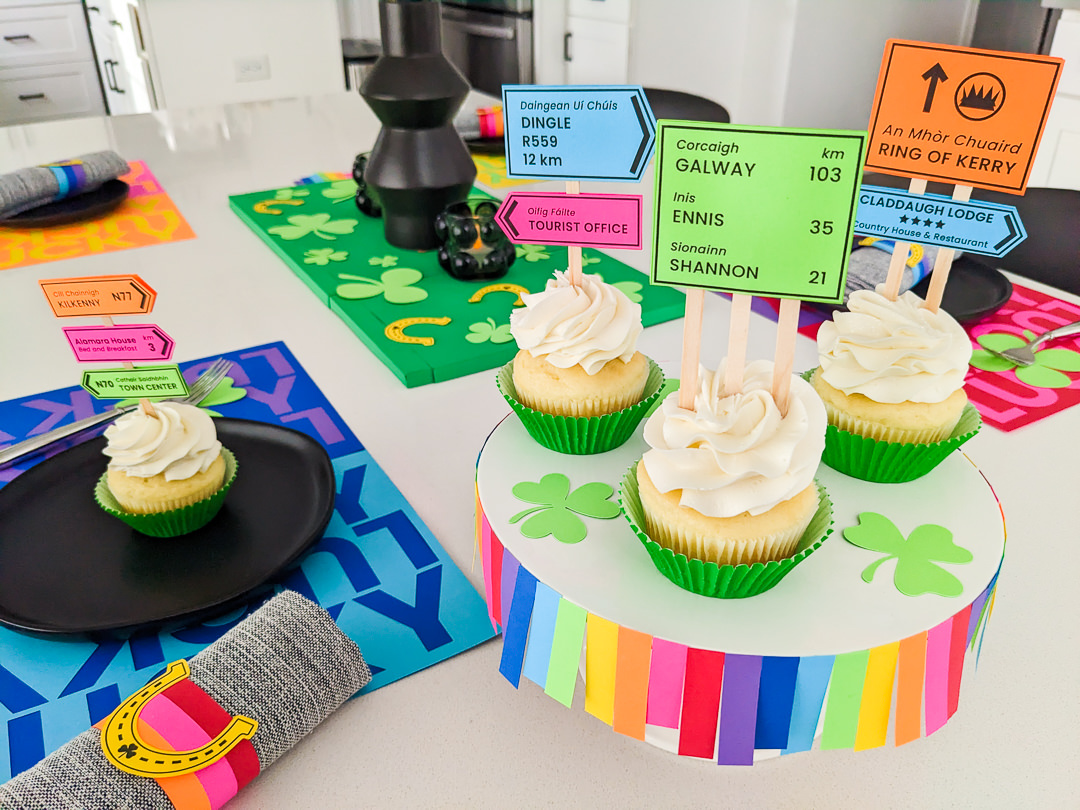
x: 98, y: 295
x: 960, y: 115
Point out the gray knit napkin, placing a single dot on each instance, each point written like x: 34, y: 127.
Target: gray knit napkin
x: 869, y: 266
x: 287, y: 665
x: 37, y: 185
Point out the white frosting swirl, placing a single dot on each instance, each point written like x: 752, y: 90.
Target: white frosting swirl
x: 735, y: 453
x: 585, y: 326
x: 893, y: 351
x: 180, y: 441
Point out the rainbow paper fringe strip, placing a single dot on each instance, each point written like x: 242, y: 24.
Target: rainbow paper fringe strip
x: 720, y: 705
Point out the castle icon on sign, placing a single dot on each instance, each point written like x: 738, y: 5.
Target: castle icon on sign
x: 980, y: 96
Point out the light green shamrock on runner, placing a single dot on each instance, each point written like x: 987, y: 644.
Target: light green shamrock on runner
x: 340, y: 190
x: 630, y: 288
x: 916, y: 573
x: 555, y: 514
x: 394, y: 284
x: 1045, y: 373
x: 488, y: 330
x: 322, y: 225
x: 323, y: 256
x: 383, y: 261
x: 532, y: 253
x: 586, y: 260
x: 290, y: 193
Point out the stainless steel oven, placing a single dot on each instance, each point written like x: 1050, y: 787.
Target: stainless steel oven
x: 490, y: 41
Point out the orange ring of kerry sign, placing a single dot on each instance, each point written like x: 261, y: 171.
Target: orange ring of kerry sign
x: 960, y: 115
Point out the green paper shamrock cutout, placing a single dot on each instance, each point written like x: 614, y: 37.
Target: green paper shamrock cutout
x: 555, y: 514
x: 384, y: 261
x: 395, y: 285
x: 290, y: 193
x: 340, y: 190
x: 488, y: 330
x: 915, y: 573
x: 1046, y: 371
x: 321, y: 225
x: 532, y: 253
x: 223, y: 394
x: 323, y: 256
x: 630, y: 290
x: 586, y: 260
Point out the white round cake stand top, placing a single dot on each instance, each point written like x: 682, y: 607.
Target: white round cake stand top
x: 823, y: 607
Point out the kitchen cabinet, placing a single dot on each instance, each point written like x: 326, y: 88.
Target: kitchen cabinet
x: 47, y: 68
x: 1057, y: 163
x: 597, y: 44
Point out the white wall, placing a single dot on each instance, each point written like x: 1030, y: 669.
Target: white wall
x: 799, y: 63
x: 196, y: 44
x: 837, y: 49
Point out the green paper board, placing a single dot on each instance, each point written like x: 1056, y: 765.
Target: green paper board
x: 318, y: 232
x: 755, y: 210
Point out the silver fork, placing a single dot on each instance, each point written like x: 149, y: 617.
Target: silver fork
x: 1025, y: 355
x: 203, y: 385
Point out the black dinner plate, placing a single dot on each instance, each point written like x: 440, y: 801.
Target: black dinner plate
x: 973, y: 291
x: 486, y: 146
x: 66, y: 566
x: 81, y: 207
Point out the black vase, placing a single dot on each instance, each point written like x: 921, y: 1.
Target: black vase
x: 419, y: 164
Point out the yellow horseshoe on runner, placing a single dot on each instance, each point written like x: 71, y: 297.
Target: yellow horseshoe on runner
x: 396, y: 333
x: 516, y: 289
x: 263, y: 206
x: 122, y: 747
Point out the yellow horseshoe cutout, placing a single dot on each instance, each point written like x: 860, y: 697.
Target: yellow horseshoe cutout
x: 263, y: 206
x: 396, y: 333
x: 516, y: 289
x: 122, y: 747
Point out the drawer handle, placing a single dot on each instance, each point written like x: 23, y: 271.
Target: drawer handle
x: 17, y: 38
x: 30, y: 96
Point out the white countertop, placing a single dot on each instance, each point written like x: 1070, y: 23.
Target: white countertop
x: 458, y: 735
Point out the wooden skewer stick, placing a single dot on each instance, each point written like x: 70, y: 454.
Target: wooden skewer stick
x: 787, y: 327
x: 146, y: 405
x: 691, y: 347
x: 943, y: 263
x: 738, y: 335
x: 574, y: 251
x: 900, y: 250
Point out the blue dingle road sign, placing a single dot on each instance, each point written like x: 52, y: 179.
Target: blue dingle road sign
x: 582, y: 132
x: 933, y: 219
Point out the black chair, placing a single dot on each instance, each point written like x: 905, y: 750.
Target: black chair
x: 1051, y: 217
x: 678, y: 106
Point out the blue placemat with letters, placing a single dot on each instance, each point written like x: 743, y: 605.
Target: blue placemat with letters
x: 377, y: 569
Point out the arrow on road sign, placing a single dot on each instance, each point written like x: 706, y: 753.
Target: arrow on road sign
x: 990, y: 229
x: 586, y: 220
x: 590, y: 132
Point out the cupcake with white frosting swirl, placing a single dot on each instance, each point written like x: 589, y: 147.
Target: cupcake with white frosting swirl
x: 731, y: 482
x: 167, y: 471
x: 578, y: 379
x: 892, y: 372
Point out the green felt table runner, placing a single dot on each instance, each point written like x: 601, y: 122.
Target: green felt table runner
x: 425, y: 325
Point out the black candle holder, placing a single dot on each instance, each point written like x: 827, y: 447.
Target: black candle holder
x: 419, y: 164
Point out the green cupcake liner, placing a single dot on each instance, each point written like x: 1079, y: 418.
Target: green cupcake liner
x: 723, y: 581
x: 581, y: 435
x: 174, y: 522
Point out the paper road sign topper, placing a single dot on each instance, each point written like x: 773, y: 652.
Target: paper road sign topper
x: 593, y: 132
x: 960, y: 115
